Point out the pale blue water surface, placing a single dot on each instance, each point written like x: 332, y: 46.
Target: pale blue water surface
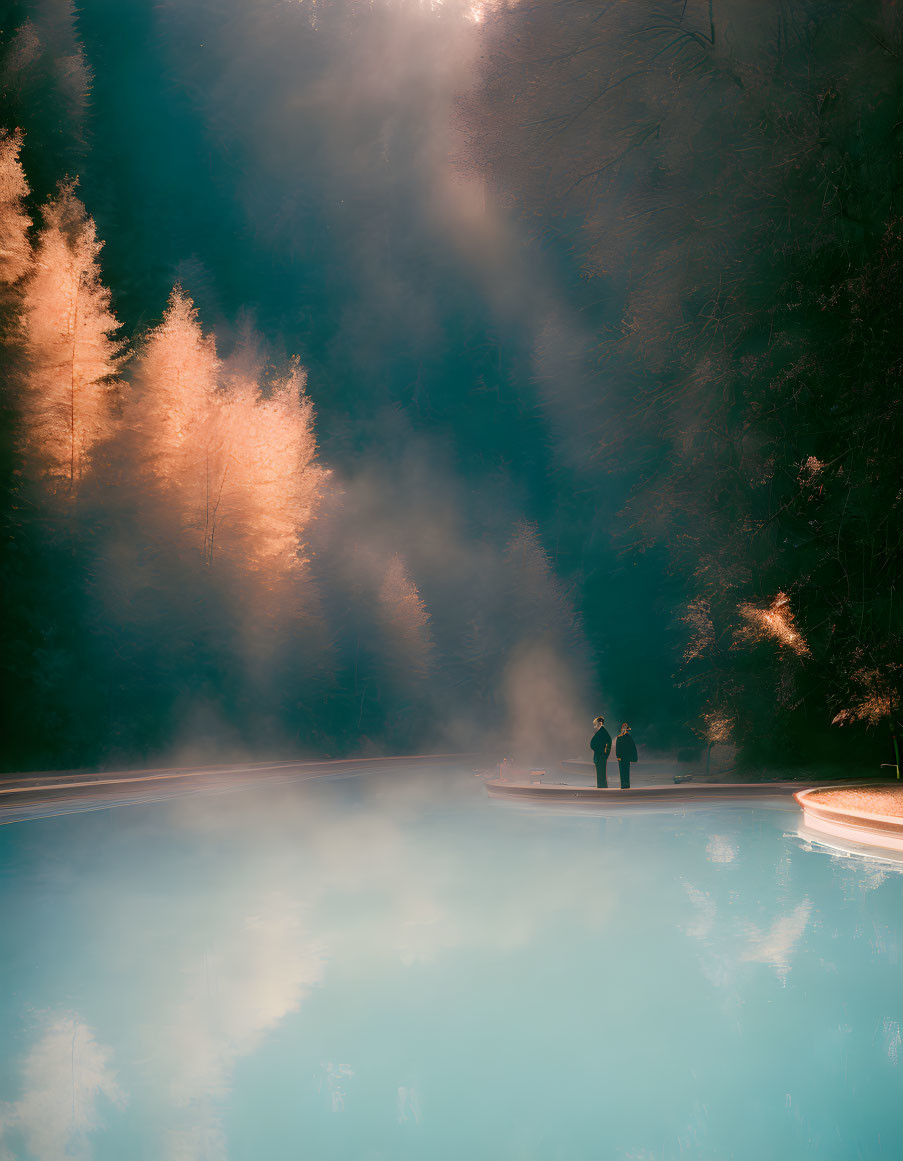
x: 396, y: 967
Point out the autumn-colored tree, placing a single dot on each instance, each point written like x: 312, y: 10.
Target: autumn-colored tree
x: 174, y: 415
x: 15, y: 250
x: 271, y: 481
x: 73, y: 353
x: 235, y: 466
x: 58, y: 347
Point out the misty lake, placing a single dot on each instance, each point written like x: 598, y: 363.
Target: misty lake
x: 395, y: 967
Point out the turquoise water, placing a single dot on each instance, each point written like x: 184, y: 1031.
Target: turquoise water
x: 396, y: 967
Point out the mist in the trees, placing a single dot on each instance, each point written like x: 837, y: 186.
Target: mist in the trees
x: 186, y: 488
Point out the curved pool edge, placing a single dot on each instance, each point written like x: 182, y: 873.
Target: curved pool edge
x: 874, y: 830
x: 28, y: 797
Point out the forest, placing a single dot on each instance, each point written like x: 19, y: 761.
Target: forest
x: 729, y: 175
x: 579, y: 385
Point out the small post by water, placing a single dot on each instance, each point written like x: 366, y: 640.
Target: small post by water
x: 895, y: 765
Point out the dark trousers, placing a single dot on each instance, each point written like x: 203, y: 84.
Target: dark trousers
x: 625, y: 773
x: 601, y: 779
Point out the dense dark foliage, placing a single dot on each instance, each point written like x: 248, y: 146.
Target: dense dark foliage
x: 731, y: 173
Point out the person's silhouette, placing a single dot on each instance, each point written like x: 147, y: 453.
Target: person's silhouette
x: 600, y: 744
x: 625, y: 749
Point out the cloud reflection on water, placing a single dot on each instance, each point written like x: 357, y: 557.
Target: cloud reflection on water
x: 255, y: 968
x: 776, y: 945
x: 66, y: 1078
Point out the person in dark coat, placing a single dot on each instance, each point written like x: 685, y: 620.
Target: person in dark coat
x: 625, y: 749
x: 600, y: 744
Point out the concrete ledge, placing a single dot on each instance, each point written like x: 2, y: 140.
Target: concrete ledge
x: 648, y: 771
x: 686, y: 792
x: 860, y: 826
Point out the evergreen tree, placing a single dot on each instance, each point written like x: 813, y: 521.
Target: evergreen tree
x: 174, y: 415
x: 405, y: 622
x: 273, y: 483
x: 15, y: 250
x: 73, y: 354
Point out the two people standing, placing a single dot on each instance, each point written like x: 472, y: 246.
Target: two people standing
x: 625, y: 752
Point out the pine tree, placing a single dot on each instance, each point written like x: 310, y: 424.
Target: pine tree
x: 72, y: 352
x: 273, y: 483
x: 405, y: 621
x: 15, y: 251
x: 237, y: 468
x: 46, y: 81
x: 176, y: 419
x: 537, y: 602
